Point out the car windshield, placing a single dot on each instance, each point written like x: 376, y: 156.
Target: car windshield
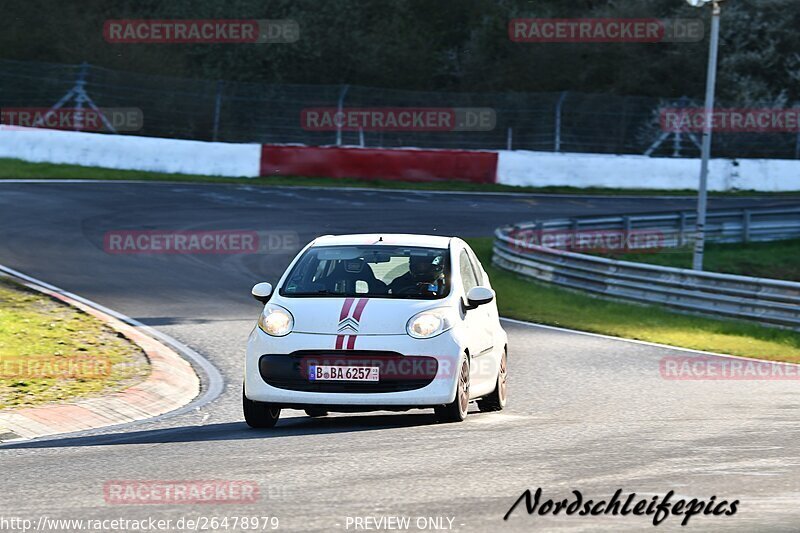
x: 376, y: 271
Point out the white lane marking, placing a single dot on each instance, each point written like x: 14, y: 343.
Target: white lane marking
x: 645, y: 343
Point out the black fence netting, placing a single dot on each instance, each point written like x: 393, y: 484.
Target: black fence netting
x: 269, y: 113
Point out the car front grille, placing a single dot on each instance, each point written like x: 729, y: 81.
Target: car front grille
x: 397, y: 372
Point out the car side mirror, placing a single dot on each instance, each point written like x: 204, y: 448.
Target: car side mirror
x: 478, y: 296
x: 262, y: 292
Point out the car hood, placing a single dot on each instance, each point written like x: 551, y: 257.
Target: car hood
x: 353, y: 316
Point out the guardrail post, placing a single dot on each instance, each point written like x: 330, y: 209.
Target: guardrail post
x: 682, y: 230
x: 626, y: 230
x: 746, y: 225
x: 570, y: 241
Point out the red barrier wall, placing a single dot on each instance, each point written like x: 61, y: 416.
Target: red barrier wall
x: 376, y: 163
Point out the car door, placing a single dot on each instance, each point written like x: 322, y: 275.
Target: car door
x: 480, y: 340
x: 490, y: 321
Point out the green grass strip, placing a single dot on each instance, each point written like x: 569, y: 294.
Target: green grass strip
x: 524, y: 299
x: 16, y: 169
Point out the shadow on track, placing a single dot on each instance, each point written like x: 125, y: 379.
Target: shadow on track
x: 174, y: 321
x: 289, y: 427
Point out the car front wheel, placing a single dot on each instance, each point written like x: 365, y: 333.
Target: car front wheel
x: 456, y: 411
x: 497, y: 399
x: 260, y: 414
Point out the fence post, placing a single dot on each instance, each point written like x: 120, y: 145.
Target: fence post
x: 746, y: 225
x: 217, y: 107
x: 508, y: 140
x: 559, y: 105
x: 682, y: 230
x: 626, y: 231
x: 797, y: 138
x: 797, y: 147
x: 339, y: 115
x: 676, y: 145
x: 81, y: 98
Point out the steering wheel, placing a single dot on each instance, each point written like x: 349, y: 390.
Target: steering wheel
x: 409, y: 290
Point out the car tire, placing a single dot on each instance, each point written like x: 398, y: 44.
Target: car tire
x: 496, y: 401
x: 260, y: 414
x: 316, y: 412
x: 456, y: 411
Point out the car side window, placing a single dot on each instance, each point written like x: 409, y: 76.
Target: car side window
x: 477, y: 267
x: 467, y: 274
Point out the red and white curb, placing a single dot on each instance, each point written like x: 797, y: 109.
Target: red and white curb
x: 171, y: 384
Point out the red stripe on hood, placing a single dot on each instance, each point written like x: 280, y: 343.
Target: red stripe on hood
x: 348, y: 303
x: 360, y: 308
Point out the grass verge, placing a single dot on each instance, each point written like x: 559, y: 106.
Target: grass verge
x: 524, y: 299
x: 51, y: 352
x: 778, y: 259
x: 16, y: 169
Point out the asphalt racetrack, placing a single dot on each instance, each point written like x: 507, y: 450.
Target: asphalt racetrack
x: 585, y: 413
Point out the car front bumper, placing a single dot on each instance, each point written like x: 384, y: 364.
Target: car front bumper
x: 428, y: 367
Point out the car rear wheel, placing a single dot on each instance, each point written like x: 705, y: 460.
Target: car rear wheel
x: 497, y: 399
x: 316, y: 412
x: 260, y: 414
x: 456, y: 411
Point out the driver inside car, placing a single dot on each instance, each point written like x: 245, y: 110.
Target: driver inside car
x: 347, y: 274
x: 425, y: 276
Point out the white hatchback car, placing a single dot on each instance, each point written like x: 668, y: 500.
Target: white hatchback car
x: 377, y: 322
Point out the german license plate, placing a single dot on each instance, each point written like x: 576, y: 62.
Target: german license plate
x: 342, y: 373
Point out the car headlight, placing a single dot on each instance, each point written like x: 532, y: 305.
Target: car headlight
x: 275, y: 321
x: 429, y: 323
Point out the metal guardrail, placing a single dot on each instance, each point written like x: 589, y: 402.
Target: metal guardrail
x: 725, y: 225
x: 768, y: 301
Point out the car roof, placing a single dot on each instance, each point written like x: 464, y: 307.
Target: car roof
x: 389, y: 239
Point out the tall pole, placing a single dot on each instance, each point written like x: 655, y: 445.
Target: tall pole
x: 702, y: 197
x: 217, y: 106
x: 559, y: 106
x: 340, y: 116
